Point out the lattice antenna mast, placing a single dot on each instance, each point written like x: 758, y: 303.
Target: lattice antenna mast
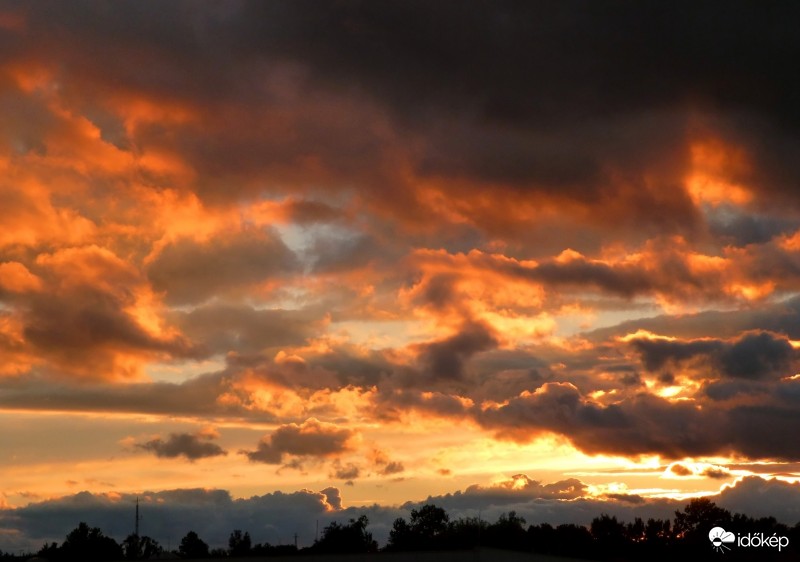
x: 138, y: 518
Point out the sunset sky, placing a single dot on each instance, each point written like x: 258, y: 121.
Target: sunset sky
x: 264, y: 264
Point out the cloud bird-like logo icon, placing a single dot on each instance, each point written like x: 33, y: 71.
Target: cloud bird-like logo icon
x: 719, y: 537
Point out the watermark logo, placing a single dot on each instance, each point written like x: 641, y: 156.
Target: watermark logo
x: 720, y: 539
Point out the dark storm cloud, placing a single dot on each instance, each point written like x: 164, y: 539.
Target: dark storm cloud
x: 192, y: 272
x: 580, y: 272
x: 309, y: 439
x: 446, y: 359
x: 732, y: 389
x: 530, y: 98
x: 733, y: 227
x: 490, y: 58
x: 504, y: 66
x: 644, y: 423
x: 754, y: 355
x: 191, y: 446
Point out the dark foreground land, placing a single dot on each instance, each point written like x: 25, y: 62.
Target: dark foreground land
x: 476, y: 555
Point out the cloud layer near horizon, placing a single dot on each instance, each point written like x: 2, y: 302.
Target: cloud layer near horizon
x: 275, y: 517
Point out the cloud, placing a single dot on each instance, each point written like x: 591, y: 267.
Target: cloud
x: 445, y: 359
x: 761, y: 497
x: 753, y: 355
x: 275, y: 517
x: 87, y: 322
x: 647, y: 423
x: 347, y: 471
x: 393, y: 467
x: 189, y: 271
x: 227, y: 327
x: 305, y: 200
x: 704, y: 470
x: 312, y: 438
x: 192, y: 446
x: 169, y: 514
x: 680, y: 470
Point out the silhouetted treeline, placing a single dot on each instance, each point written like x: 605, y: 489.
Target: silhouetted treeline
x: 607, y: 538
x: 430, y: 528
x: 91, y: 545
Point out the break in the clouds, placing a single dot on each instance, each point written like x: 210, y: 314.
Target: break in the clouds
x: 400, y: 246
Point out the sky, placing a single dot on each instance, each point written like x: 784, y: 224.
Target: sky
x: 268, y: 264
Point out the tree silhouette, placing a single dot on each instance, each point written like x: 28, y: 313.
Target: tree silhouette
x: 349, y: 538
x: 508, y: 532
x: 193, y: 546
x: 609, y: 535
x: 696, y: 520
x: 85, y: 543
x: 239, y: 544
x: 140, y: 548
x: 657, y: 532
x: 466, y: 532
x: 427, y: 529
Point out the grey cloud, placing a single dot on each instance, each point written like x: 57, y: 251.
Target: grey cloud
x: 168, y: 515
x: 645, y: 423
x: 658, y: 353
x: 753, y: 355
x: 191, y: 446
x: 341, y: 253
x: 627, y: 498
x: 348, y: 471
x: 759, y: 497
x: 758, y: 355
x: 311, y: 438
x: 227, y: 327
x: 392, y: 403
x: 393, y: 467
x: 731, y: 226
x: 275, y: 517
x: 446, y: 359
x: 192, y: 272
x: 781, y: 317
